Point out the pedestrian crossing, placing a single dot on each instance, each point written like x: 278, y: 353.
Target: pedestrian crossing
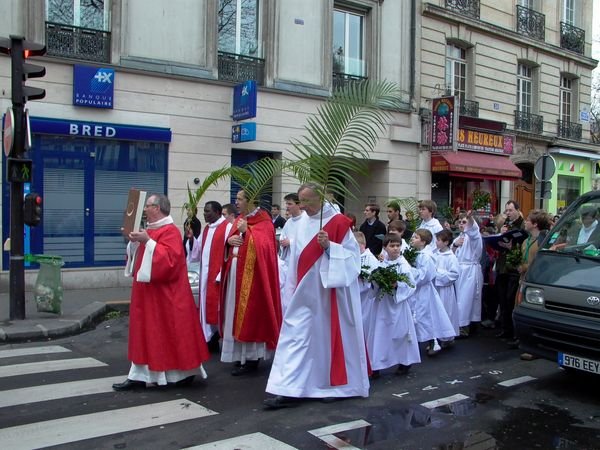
x: 115, y: 420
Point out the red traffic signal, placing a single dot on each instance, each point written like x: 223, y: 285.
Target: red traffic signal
x: 32, y: 209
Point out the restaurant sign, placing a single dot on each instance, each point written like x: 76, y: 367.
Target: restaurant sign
x: 482, y: 141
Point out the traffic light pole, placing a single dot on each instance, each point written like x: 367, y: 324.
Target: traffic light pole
x: 17, y: 254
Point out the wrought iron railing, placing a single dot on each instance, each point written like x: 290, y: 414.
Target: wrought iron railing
x: 568, y: 130
x: 531, y: 123
x: 342, y: 79
x: 469, y: 108
x: 466, y: 7
x: 69, y: 41
x: 239, y: 68
x: 572, y: 38
x: 531, y: 23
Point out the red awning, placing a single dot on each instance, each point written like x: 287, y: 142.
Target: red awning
x: 475, y: 165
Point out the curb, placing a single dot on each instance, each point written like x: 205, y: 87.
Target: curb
x: 52, y: 328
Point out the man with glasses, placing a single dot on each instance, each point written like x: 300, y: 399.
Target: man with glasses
x: 166, y: 345
x: 373, y: 228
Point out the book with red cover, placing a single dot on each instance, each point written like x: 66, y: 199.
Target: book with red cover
x: 132, y: 217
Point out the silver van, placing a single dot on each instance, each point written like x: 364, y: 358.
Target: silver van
x: 558, y: 317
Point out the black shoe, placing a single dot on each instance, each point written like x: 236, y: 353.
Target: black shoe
x: 402, y: 369
x: 513, y: 344
x: 245, y: 369
x: 280, y: 401
x: 129, y: 385
x: 503, y: 335
x: 186, y: 381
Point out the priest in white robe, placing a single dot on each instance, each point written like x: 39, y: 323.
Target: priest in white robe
x: 321, y: 349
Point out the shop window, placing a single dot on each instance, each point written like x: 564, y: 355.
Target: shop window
x: 78, y: 29
x: 568, y: 189
x: 349, y: 62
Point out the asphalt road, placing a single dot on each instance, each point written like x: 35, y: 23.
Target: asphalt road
x: 476, y: 395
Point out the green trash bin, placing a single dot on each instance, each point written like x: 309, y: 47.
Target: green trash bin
x: 48, y: 290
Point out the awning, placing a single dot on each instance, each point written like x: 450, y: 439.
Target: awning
x: 475, y: 165
x: 577, y: 153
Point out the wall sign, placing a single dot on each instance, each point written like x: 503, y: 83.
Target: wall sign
x: 244, y: 100
x: 444, y: 124
x: 244, y: 132
x: 482, y: 141
x: 93, y: 86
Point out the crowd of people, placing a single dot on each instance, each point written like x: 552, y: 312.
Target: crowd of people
x: 330, y: 305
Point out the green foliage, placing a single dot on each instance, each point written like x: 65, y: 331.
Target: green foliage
x: 411, y: 208
x: 387, y: 278
x: 256, y: 178
x: 194, y: 197
x: 514, y: 258
x: 481, y: 199
x: 410, y: 255
x: 341, y: 136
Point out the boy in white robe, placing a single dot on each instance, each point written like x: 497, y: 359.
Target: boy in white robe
x: 390, y: 331
x: 368, y: 262
x: 447, y: 272
x: 431, y: 319
x: 468, y: 247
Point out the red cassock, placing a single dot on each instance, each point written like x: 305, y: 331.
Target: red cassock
x: 258, y: 299
x: 164, y: 325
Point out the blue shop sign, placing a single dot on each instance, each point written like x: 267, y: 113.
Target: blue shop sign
x: 244, y: 132
x: 60, y: 127
x: 93, y: 86
x: 244, y: 100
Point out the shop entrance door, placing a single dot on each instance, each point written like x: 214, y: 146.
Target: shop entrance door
x: 524, y: 189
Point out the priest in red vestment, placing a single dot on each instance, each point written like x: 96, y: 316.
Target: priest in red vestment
x: 166, y: 345
x: 251, y: 311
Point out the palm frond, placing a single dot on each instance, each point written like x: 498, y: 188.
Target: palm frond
x: 213, y: 178
x: 411, y: 207
x: 256, y: 178
x: 341, y: 136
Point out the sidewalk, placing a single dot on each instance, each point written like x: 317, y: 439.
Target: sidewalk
x: 81, y: 308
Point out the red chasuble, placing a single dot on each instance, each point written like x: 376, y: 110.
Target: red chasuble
x: 164, y: 326
x: 258, y: 300
x: 215, y: 263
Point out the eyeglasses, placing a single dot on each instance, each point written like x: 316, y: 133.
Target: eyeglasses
x: 463, y: 222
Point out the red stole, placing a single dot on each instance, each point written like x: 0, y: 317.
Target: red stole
x: 336, y: 228
x: 215, y: 262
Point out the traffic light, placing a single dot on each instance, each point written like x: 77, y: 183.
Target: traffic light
x: 32, y: 209
x: 19, y: 50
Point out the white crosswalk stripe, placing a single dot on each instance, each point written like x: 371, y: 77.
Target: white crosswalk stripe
x: 33, y: 351
x: 49, y: 366
x: 253, y: 441
x: 57, y: 391
x: 87, y: 426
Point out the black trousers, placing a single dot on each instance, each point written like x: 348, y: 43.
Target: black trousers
x: 507, y: 285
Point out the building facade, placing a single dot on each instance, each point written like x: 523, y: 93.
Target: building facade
x: 139, y: 94
x: 521, y: 73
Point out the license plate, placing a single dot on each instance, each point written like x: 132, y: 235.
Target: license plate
x: 577, y: 362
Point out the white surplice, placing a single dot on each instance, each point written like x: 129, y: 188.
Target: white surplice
x: 201, y: 254
x: 390, y: 331
x: 447, y: 272
x: 470, y: 281
x: 289, y: 231
x: 434, y: 226
x: 301, y: 366
x: 431, y: 319
x: 368, y: 262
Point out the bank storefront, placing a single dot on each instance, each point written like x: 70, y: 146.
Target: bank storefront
x: 83, y: 171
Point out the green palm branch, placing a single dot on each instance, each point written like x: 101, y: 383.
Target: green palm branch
x: 256, y: 178
x: 341, y: 136
x: 194, y: 196
x: 411, y: 206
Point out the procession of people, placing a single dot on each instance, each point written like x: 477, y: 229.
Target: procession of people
x: 330, y: 306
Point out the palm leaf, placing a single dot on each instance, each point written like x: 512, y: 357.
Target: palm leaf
x: 341, y: 136
x: 212, y: 179
x: 411, y: 206
x: 256, y: 178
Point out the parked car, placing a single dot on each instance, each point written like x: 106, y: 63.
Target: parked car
x: 558, y: 317
x: 194, y: 279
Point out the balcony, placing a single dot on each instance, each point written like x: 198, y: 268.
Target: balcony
x: 465, y: 7
x: 531, y: 23
x: 239, y: 68
x: 572, y: 38
x: 69, y: 41
x: 568, y: 130
x: 530, y: 123
x: 341, y: 80
x: 469, y: 108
